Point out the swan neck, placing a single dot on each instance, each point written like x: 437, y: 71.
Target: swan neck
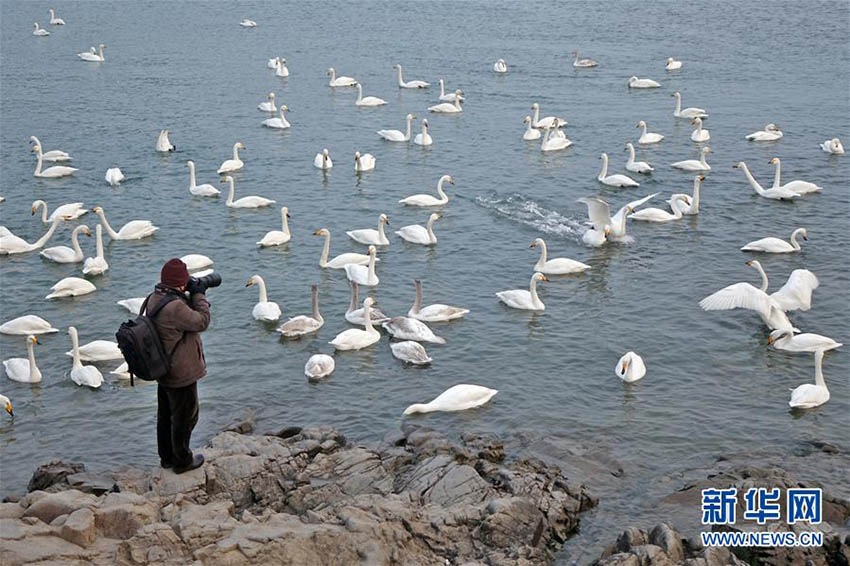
x: 753, y: 183
x: 409, y: 121
x: 231, y: 192
x: 367, y: 318
x: 315, y: 299
x: 75, y: 241
x: 284, y: 222
x: 777, y: 174
x: 400, y: 80
x: 192, y: 184
x: 323, y: 261
x: 31, y: 356
x: 38, y: 165
x: 819, y: 371
x: 264, y: 298
x: 678, y: 105
x: 441, y: 192
x: 112, y: 233
x: 43, y: 240
x: 536, y: 117
x: 533, y: 290
x: 371, y: 266
x: 417, y: 301
x: 75, y: 348
x: 442, y: 89
x: 695, y: 199
x: 794, y: 243
x: 43, y: 206
x: 631, y: 154
x: 99, y: 233
x: 764, y: 282
x: 430, y: 227
x: 604, y: 172
x: 381, y: 235
x: 352, y: 304
x: 235, y: 152
x: 359, y: 93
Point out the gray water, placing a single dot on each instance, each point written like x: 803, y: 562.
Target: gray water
x: 713, y: 386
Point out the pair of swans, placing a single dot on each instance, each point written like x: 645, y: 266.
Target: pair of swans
x: 93, y: 57
x: 423, y: 137
x: 133, y: 230
x: 648, y: 137
x: 811, y: 395
x: 339, y: 81
x: 699, y: 135
x: 96, y: 265
x: 340, y: 261
x: 280, y: 68
x: 691, y: 112
x: 451, y: 96
x: 689, y: 204
x: 367, y: 100
x: 406, y: 328
x: 546, y: 121
x: 205, y: 190
x: 433, y: 313
x: 785, y: 339
x: 301, y: 325
x: 677, y: 203
x: 355, y: 338
x: 363, y: 274
x: 355, y: 314
x: 695, y: 164
x: 500, y: 66
x: 365, y: 162
x: 64, y: 254
x: 613, y: 180
x: 449, y: 107
x: 603, y: 224
x: 88, y: 376
x: 409, y: 84
x: 630, y: 367
x: 54, y: 155
x: 410, y: 352
x: 265, y: 310
x: 234, y: 164
x: 318, y: 366
x: 428, y: 200
x: 773, y: 245
x: 635, y: 82
x: 524, y: 299
x: 114, y: 176
x: 556, y: 266
x: 323, y: 160
x: 54, y: 21
x: 636, y: 166
x: 554, y: 139
x: 71, y: 287
x: 771, y: 132
x: 370, y: 236
x: 39, y: 32
x: 27, y: 324
x: 457, y: 398
x: 277, y: 237
x: 672, y: 64
x: 24, y: 370
x: 833, y: 146
x: 70, y: 211
x: 53, y: 172
x: 11, y: 244
x: 163, y: 144
x: 582, y: 63
x: 279, y: 122
x: 244, y: 202
x: 796, y: 294
x: 774, y: 193
x: 268, y: 106
x: 397, y: 135
x: 418, y: 234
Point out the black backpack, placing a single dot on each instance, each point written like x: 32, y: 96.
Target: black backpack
x: 139, y: 342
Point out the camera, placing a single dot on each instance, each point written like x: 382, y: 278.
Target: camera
x: 201, y: 284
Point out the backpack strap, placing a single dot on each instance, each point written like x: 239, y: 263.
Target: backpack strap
x: 164, y: 301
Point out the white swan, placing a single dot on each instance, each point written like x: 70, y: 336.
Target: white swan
x: 647, y: 138
x: 205, y: 190
x: 54, y: 155
x: 27, y: 324
x: 428, y: 200
x: 530, y: 133
x: 604, y: 224
x: 340, y: 81
x: 272, y: 63
x: 582, y: 63
x: 775, y: 193
x: 404, y: 328
x: 340, y: 261
x: 418, y: 234
x: 264, y: 310
x: 54, y: 21
x: 613, y: 180
x: 450, y: 97
x: 71, y: 287
x: 354, y: 315
x: 773, y: 245
x: 70, y: 211
x: 363, y: 274
x: 457, y: 398
x: 689, y: 204
x: 114, y: 176
x: 397, y: 135
x: 82, y: 375
x: 246, y: 23
x: 51, y: 172
x: 423, y: 138
x: 134, y: 305
x: 367, y: 100
x: 630, y: 368
x: 635, y: 82
x: 672, y: 64
x: 522, y: 299
x: 556, y: 266
x: 318, y: 366
x: 410, y: 352
x: 281, y: 70
x: 500, y: 66
x: 659, y: 215
x: 809, y: 396
x: 163, y: 144
x: 64, y: 254
x: 433, y: 313
x: 365, y: 162
x: 24, y: 370
x: 785, y: 339
x: 833, y: 146
x: 279, y: 122
x: 370, y: 236
x: 123, y: 371
x: 133, y: 230
x: 543, y: 123
x: 636, y: 166
x: 771, y: 132
x: 96, y: 265
x: 354, y: 338
x: 98, y: 351
x: 277, y: 237
x: 797, y: 186
x: 695, y: 164
x: 409, y: 84
x: 269, y: 105
x: 196, y: 262
x: 234, y: 164
x: 93, y: 57
x: 449, y: 107
x: 11, y: 244
x: 304, y: 324
x: 691, y: 112
x: 699, y: 135
x: 7, y: 405
x: 40, y: 32
x: 252, y: 201
x: 323, y: 160
x: 554, y: 139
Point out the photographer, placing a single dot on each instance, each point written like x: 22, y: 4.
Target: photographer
x: 179, y: 325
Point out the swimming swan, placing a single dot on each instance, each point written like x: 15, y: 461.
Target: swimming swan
x: 699, y: 135
x: 457, y: 398
x: 205, y: 190
x: 418, y: 234
x: 279, y: 122
x: 319, y: 365
x: 354, y: 315
x: 264, y: 310
x: 635, y: 82
x: 51, y: 172
x: 27, y: 324
x: 54, y: 21
x: 89, y: 376
x: 133, y: 230
x: 365, y: 162
x: 370, y: 236
x: 340, y: 261
x: 659, y: 215
x: 24, y: 370
x: 280, y: 69
x: 433, y: 313
x: 630, y: 368
x: 775, y: 193
x: 354, y: 338
x: 40, y: 32
x: 55, y: 155
x: 582, y: 63
x: 773, y: 245
x: 323, y: 160
x: 98, y: 351
x: 687, y: 112
x: 770, y: 133
x: 234, y: 164
x: 833, y: 146
x: 613, y: 180
x: 695, y: 164
x: 636, y: 166
x: 71, y: 211
x: 93, y: 57
x: 603, y: 223
x: 246, y: 23
x: 672, y: 64
x: 809, y: 396
x: 114, y: 176
x: 554, y: 139
x: 71, y: 287
x: 428, y: 200
x: 409, y: 84
x: 799, y: 187
x: 500, y: 66
x: 96, y: 265
x: 64, y: 254
x: 449, y: 107
x: 423, y: 138
x: 543, y: 123
x: 689, y: 204
x: 410, y: 352
x: 339, y: 81
x: 404, y: 328
x: 450, y: 97
x: 556, y: 266
x: 785, y: 339
x: 522, y: 299
x: 367, y: 100
x: 530, y: 133
x: 268, y: 106
x: 647, y: 138
x: 396, y: 135
x: 11, y: 244
x: 244, y: 202
x: 303, y: 324
x: 363, y: 274
x: 163, y: 144
x: 277, y: 237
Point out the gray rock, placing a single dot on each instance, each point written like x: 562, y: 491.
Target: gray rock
x: 91, y: 483
x: 79, y: 527
x: 61, y: 503
x: 52, y: 473
x: 669, y: 541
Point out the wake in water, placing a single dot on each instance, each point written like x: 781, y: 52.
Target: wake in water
x: 525, y: 211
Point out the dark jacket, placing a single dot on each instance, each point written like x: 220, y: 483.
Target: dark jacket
x: 179, y: 325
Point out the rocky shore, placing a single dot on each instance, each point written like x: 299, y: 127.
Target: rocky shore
x: 298, y: 497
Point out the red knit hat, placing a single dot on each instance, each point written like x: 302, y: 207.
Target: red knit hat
x: 174, y: 273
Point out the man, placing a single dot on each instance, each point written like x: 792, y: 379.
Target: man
x: 179, y: 325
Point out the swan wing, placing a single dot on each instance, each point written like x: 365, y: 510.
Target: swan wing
x: 808, y: 395
x: 796, y: 294
x: 738, y: 296
x: 598, y: 211
x: 299, y: 325
x: 410, y: 352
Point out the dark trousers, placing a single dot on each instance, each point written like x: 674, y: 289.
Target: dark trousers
x: 176, y: 417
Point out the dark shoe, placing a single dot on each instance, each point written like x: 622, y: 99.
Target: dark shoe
x: 197, y: 462
x: 165, y: 465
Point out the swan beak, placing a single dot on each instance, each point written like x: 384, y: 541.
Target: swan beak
x: 288, y: 215
x: 532, y: 245
x: 222, y: 180
x: 545, y: 278
x: 770, y: 339
x: 35, y: 340
x: 32, y: 212
x: 387, y: 222
x: 749, y: 263
x: 805, y: 238
x: 625, y: 367
x: 249, y: 282
x: 317, y: 232
x: 8, y: 408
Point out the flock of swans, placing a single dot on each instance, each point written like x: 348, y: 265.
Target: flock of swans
x: 410, y: 332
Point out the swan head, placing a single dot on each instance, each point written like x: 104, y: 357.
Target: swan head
x: 539, y: 277
x: 677, y: 94
x: 778, y: 334
x: 773, y: 161
x: 331, y: 71
x: 434, y: 216
x: 36, y: 205
x: 97, y: 210
x: 238, y: 145
x: 271, y: 96
x: 226, y: 179
x: 283, y: 60
x: 448, y: 178
x: 356, y: 156
x: 396, y: 66
x: 700, y: 178
x: 283, y: 107
x: 7, y: 405
x: 803, y: 233
x: 102, y: 46
x: 526, y: 120
x: 669, y: 60
x: 368, y: 302
x: 190, y: 163
x: 253, y: 280
x: 84, y: 229
x: 537, y: 242
x: 706, y: 150
x: 535, y: 106
x: 325, y: 154
x: 383, y: 218
x: 754, y: 263
x: 772, y: 127
x: 641, y: 124
x: 696, y: 121
x: 632, y: 79
x: 604, y: 156
x: 628, y: 146
x: 739, y: 165
x: 410, y: 117
x: 372, y: 250
x: 425, y: 123
x: 285, y: 211
x: 322, y: 232
x: 32, y: 339
x: 36, y: 148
